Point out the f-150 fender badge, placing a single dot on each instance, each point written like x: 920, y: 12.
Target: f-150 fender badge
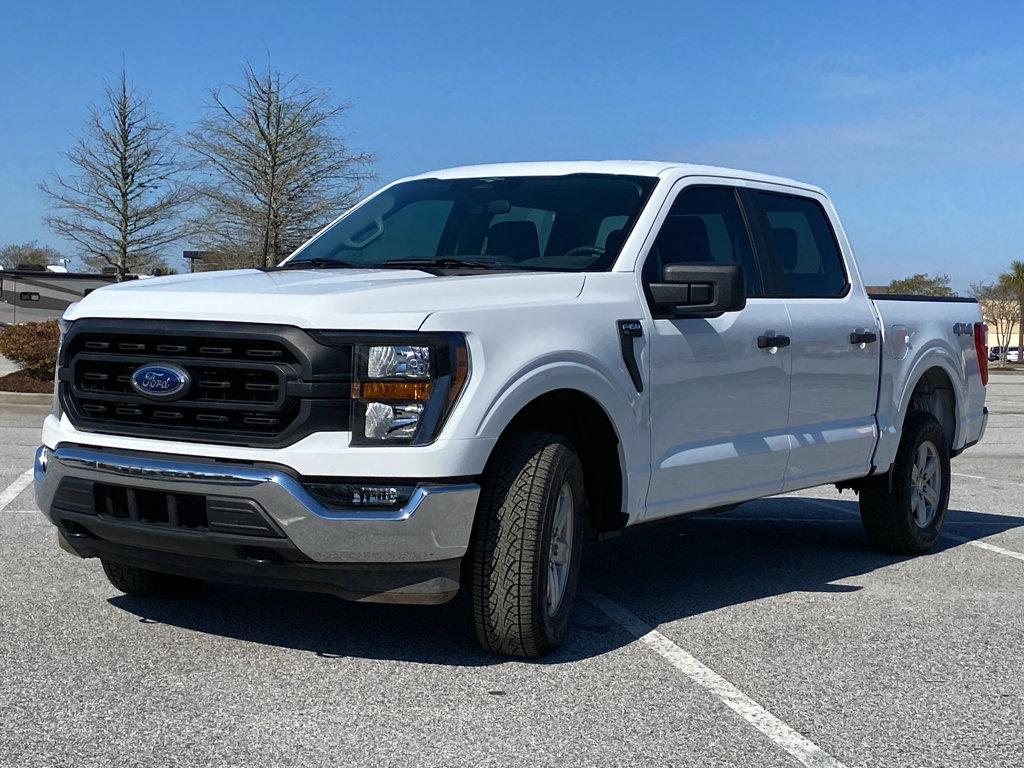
x: 628, y: 331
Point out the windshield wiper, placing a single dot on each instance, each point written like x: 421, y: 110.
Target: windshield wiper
x: 446, y: 263
x: 316, y: 263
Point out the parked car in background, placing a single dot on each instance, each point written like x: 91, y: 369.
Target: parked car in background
x: 476, y: 369
x: 34, y: 294
x: 1012, y: 354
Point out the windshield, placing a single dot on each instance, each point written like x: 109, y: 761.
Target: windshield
x: 573, y: 223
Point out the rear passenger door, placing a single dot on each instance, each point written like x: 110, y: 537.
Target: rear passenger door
x: 719, y: 403
x: 835, y: 344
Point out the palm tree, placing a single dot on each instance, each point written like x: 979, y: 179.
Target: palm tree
x: 1014, y: 278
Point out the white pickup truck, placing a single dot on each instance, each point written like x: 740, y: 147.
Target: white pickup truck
x: 473, y: 371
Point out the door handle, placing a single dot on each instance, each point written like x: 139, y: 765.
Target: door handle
x: 767, y: 342
x: 863, y: 337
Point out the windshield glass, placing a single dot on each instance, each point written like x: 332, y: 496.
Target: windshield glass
x: 574, y: 223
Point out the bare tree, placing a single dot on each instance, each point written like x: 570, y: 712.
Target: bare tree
x: 124, y: 202
x: 275, y: 167
x: 14, y: 255
x: 1000, y: 308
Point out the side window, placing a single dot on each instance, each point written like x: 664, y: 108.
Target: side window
x: 805, y: 249
x: 704, y: 225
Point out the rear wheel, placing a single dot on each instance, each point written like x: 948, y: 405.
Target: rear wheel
x: 527, y: 545
x: 143, y: 583
x: 903, y: 512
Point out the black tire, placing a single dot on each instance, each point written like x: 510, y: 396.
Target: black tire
x: 511, y: 542
x: 143, y: 583
x: 885, y: 502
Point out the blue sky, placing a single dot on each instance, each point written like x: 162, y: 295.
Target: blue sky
x: 911, y: 115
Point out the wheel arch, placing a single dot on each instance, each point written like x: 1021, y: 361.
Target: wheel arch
x: 612, y: 402
x: 590, y: 428
x: 931, y: 383
x: 934, y: 393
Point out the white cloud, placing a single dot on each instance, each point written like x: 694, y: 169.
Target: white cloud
x: 956, y: 115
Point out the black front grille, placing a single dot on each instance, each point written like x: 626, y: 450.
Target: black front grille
x: 169, y: 510
x: 250, y: 385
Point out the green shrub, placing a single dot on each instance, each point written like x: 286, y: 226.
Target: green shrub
x: 33, y: 346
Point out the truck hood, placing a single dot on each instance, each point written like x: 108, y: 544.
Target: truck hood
x: 341, y: 299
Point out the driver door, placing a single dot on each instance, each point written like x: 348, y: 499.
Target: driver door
x: 719, y: 403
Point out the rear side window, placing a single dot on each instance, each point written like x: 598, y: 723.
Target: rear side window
x: 805, y: 249
x: 704, y: 225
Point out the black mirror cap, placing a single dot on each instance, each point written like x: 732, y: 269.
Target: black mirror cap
x: 703, y: 290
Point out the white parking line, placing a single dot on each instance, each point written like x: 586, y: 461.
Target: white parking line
x: 973, y: 542
x: 785, y: 736
x: 17, y: 486
x: 990, y: 480
x: 987, y: 546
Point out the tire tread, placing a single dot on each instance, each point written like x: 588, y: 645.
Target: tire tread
x: 508, y: 535
x: 882, y: 499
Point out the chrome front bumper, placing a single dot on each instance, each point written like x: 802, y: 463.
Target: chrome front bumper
x: 434, y: 525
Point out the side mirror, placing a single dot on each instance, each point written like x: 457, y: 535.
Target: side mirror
x: 703, y: 290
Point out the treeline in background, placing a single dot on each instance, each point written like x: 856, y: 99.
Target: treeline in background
x: 265, y: 165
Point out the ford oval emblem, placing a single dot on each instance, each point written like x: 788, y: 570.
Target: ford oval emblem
x: 161, y: 381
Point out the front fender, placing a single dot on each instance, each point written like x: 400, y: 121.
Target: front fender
x: 621, y: 406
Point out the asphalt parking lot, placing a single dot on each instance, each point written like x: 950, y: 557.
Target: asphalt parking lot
x: 768, y: 636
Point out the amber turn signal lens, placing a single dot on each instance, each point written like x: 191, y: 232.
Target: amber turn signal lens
x: 460, y: 374
x: 391, y: 391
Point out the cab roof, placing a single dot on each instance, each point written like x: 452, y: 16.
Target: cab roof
x: 657, y: 168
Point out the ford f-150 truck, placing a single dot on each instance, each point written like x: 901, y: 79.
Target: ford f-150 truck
x: 474, y: 370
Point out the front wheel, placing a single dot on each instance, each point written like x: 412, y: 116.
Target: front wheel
x: 527, y: 545
x: 903, y: 511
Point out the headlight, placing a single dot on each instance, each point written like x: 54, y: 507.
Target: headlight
x: 391, y: 421
x: 398, y: 360
x: 403, y: 386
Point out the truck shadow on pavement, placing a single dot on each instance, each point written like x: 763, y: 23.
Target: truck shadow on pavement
x: 661, y: 573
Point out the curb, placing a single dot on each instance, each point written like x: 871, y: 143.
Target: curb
x: 25, y: 399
